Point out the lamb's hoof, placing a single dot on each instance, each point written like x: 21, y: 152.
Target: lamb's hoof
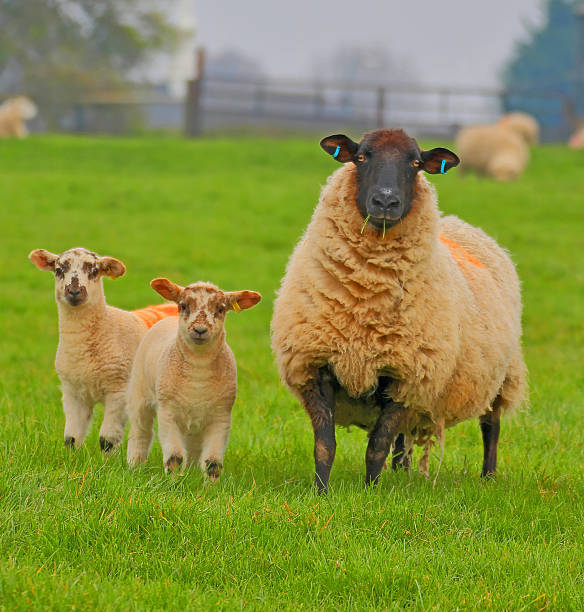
x: 69, y: 442
x: 105, y: 445
x: 212, y: 470
x: 173, y: 464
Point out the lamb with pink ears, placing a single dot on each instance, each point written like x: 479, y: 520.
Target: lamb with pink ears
x: 185, y: 369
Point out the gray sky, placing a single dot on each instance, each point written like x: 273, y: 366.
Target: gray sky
x: 449, y: 42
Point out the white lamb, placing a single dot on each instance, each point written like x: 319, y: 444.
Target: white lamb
x: 97, y: 342
x: 185, y: 369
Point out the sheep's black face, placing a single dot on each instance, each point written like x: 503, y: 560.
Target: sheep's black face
x: 387, y: 162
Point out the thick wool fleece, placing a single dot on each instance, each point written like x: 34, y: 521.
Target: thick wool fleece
x: 435, y: 306
x: 522, y: 124
x: 494, y: 150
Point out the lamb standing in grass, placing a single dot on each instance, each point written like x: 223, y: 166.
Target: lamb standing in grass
x: 97, y: 342
x: 13, y: 113
x: 501, y: 150
x: 393, y: 318
x: 187, y: 371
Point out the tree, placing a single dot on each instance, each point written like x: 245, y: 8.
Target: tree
x: 58, y: 51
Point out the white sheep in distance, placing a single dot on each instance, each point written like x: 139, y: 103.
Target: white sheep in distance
x: 13, y: 113
x: 500, y: 150
x: 393, y: 318
x: 97, y: 342
x: 185, y: 370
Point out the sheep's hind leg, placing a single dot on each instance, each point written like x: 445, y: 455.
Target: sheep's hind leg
x: 490, y: 427
x: 400, y: 457
x: 319, y: 402
x: 384, y: 434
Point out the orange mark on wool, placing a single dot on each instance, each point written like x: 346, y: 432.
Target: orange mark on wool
x: 152, y: 314
x: 459, y: 253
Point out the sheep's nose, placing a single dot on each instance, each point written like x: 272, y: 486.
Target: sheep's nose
x: 200, y: 329
x: 386, y: 201
x: 74, y: 293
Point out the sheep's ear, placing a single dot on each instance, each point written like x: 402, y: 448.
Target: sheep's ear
x: 439, y: 160
x: 111, y: 267
x: 242, y: 300
x: 43, y: 260
x: 167, y: 289
x: 341, y: 147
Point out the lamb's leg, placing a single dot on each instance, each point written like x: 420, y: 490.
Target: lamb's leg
x: 400, y: 458
x: 114, y: 421
x: 141, y: 412
x: 384, y: 433
x: 172, y: 440
x: 490, y: 427
x: 319, y: 402
x: 215, y: 440
x: 78, y: 412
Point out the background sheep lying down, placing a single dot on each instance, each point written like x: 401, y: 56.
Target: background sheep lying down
x: 392, y: 318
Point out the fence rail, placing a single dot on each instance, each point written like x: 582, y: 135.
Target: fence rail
x: 214, y: 104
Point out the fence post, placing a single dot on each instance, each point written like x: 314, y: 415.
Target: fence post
x: 380, y: 106
x: 193, y: 110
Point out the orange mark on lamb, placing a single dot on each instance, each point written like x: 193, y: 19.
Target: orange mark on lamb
x: 459, y: 253
x: 152, y: 314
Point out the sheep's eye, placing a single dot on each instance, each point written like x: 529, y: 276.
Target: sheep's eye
x: 361, y: 157
x: 59, y: 271
x: 416, y: 163
x: 95, y: 271
x: 221, y: 309
x: 181, y: 306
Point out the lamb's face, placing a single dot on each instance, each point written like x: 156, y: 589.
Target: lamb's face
x: 387, y: 162
x: 202, y: 308
x: 78, y: 273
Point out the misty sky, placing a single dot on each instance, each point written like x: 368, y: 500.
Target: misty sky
x: 449, y: 42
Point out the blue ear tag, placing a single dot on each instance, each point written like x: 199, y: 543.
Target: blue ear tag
x: 442, y: 171
x: 335, y: 154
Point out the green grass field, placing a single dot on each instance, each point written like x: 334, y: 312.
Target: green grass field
x: 80, y: 531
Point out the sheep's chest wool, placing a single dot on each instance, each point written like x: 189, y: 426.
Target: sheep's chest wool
x: 409, y: 305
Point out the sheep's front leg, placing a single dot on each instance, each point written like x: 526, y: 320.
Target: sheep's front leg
x: 490, y: 427
x: 172, y: 439
x: 215, y: 440
x: 114, y: 421
x: 319, y: 402
x: 384, y: 433
x: 78, y: 412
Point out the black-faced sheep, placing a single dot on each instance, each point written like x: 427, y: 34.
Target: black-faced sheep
x: 97, y: 342
x: 393, y: 318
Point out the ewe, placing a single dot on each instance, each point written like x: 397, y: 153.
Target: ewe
x: 393, y: 318
x: 13, y: 113
x: 186, y: 369
x: 97, y: 342
x: 501, y: 150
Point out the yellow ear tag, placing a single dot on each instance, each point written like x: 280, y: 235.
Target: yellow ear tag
x: 236, y: 307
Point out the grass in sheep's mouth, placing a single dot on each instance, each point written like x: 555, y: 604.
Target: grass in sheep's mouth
x: 365, y: 223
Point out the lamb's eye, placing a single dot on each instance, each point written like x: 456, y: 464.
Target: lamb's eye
x: 59, y: 271
x: 181, y: 306
x: 361, y: 157
x: 221, y: 309
x: 416, y: 163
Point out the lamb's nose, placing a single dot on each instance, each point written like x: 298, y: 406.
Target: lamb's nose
x: 74, y: 293
x: 200, y: 329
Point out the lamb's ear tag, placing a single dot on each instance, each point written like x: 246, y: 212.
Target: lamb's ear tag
x: 442, y: 171
x: 236, y: 306
x: 336, y: 153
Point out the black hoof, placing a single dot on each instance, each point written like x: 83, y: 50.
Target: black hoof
x: 212, y: 469
x: 173, y: 464
x: 69, y: 442
x: 105, y: 445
